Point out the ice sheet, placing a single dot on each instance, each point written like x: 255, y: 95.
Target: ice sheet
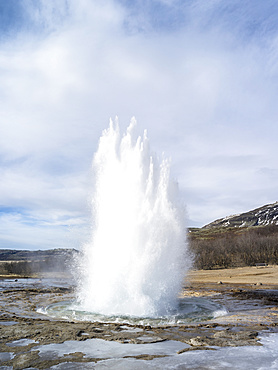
x: 248, y: 357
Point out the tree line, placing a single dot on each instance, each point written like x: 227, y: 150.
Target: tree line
x: 233, y: 247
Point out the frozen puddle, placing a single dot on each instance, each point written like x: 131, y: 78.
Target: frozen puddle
x: 248, y: 357
x: 99, y: 348
x: 21, y: 343
x: 130, y: 329
x: 6, y: 356
x: 8, y: 323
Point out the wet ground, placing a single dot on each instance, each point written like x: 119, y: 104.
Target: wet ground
x: 30, y: 339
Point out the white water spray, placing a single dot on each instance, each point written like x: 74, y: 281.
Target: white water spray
x: 136, y: 260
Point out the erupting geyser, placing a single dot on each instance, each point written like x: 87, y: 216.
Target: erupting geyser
x: 136, y: 260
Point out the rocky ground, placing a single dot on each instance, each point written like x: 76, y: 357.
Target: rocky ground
x: 252, y: 306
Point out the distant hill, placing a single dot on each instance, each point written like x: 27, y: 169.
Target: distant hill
x: 29, y: 263
x: 263, y: 216
x: 38, y: 255
x: 245, y: 239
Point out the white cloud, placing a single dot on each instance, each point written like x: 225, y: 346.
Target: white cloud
x: 204, y: 89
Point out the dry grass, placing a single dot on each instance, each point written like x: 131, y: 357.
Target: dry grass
x: 242, y: 275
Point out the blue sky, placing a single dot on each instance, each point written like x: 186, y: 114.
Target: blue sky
x: 200, y: 76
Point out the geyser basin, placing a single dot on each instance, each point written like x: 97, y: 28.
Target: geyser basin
x: 136, y: 260
x: 187, y: 310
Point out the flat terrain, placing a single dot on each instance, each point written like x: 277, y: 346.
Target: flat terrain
x: 265, y: 277
x: 239, y: 312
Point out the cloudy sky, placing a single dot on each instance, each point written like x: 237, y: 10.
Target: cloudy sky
x: 200, y: 76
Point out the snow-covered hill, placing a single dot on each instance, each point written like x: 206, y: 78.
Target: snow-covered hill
x: 263, y: 216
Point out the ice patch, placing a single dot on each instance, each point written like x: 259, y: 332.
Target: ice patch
x: 99, y: 348
x: 21, y: 342
x: 218, y: 313
x: 240, y: 358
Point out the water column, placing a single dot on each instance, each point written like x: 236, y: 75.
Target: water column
x: 136, y: 259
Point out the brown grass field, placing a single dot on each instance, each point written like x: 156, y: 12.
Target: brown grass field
x: 266, y: 276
